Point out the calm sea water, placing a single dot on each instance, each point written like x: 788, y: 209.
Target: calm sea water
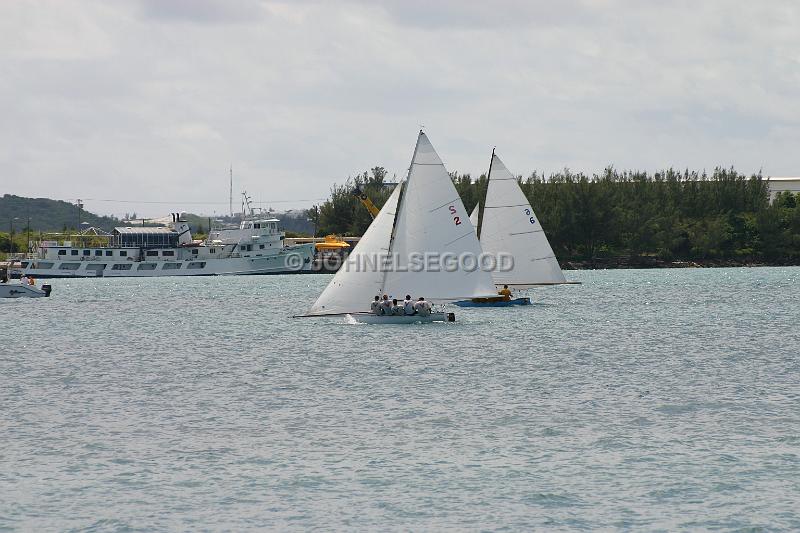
x: 655, y: 399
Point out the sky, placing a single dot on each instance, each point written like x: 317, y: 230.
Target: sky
x: 143, y: 105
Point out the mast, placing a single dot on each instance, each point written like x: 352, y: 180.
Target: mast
x: 400, y: 203
x: 230, y: 192
x: 483, y: 207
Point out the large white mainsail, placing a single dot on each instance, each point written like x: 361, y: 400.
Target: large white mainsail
x: 358, y: 281
x: 432, y: 219
x: 510, y: 225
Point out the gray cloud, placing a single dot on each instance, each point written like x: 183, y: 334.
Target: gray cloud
x: 203, y: 11
x: 153, y: 100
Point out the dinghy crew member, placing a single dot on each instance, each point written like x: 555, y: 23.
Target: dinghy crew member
x: 386, y: 306
x: 408, y: 306
x: 505, y: 293
x: 375, y: 306
x: 422, y: 307
x: 397, y: 310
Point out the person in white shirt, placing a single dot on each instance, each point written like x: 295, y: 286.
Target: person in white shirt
x: 422, y: 307
x: 375, y: 306
x: 397, y: 309
x: 386, y: 305
x: 408, y: 306
x: 23, y: 279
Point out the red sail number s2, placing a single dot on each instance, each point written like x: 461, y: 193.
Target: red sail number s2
x: 453, y: 212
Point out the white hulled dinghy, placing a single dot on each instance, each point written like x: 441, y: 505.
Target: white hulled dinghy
x: 509, y: 225
x: 423, y: 215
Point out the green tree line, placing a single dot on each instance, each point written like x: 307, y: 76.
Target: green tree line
x: 343, y: 213
x: 45, y: 214
x: 668, y: 215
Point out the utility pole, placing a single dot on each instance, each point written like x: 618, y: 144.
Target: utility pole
x: 80, y: 206
x: 11, y: 234
x: 28, y: 236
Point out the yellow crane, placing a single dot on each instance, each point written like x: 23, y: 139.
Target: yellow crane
x: 373, y: 211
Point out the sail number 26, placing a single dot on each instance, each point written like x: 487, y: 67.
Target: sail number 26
x: 456, y: 218
x: 528, y: 213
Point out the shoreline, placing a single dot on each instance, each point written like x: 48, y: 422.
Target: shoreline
x: 623, y: 263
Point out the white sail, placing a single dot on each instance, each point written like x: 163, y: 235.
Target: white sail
x: 473, y: 217
x: 510, y: 225
x: 356, y: 283
x: 432, y: 219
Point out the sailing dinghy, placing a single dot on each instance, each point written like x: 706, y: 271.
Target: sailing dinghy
x: 509, y: 225
x: 423, y: 215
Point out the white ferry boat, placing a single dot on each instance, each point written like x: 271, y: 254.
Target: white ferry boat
x: 255, y: 247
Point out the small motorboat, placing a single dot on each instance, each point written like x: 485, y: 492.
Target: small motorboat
x: 369, y: 318
x: 13, y: 289
x: 493, y: 302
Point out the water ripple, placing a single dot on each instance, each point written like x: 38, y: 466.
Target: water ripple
x: 655, y: 400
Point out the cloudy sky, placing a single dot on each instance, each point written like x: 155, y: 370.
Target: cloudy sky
x: 147, y: 101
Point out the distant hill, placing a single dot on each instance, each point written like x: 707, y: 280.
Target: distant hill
x: 47, y: 215
x: 55, y: 215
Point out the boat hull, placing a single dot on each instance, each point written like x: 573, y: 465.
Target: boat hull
x: 367, y: 318
x: 18, y: 290
x: 292, y: 260
x: 493, y: 303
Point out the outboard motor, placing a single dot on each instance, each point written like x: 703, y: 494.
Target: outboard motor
x: 47, y: 289
x: 451, y: 317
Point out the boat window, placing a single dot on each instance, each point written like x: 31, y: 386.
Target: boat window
x: 96, y: 266
x: 109, y: 253
x: 98, y: 252
x: 213, y: 250
x: 198, y: 264
x: 147, y: 266
x: 168, y: 252
x: 125, y: 266
x: 123, y: 253
x: 87, y: 252
x: 73, y: 252
x: 152, y: 253
x: 62, y: 252
x: 194, y: 252
x: 171, y: 266
x: 43, y: 266
x: 69, y: 266
x: 261, y: 246
x: 257, y: 226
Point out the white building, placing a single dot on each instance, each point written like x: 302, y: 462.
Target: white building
x: 781, y: 184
